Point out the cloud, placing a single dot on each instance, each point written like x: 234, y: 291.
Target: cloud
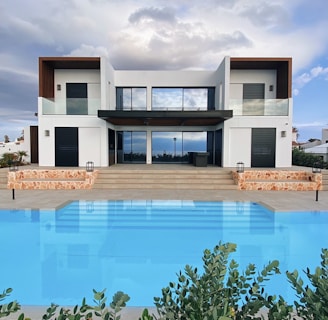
x: 155, y: 14
x: 157, y: 38
x: 157, y: 34
x: 314, y: 124
x: 264, y: 14
x: 306, y: 77
x: 89, y: 51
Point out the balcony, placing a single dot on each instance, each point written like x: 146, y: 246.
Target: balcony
x: 259, y: 107
x: 74, y: 106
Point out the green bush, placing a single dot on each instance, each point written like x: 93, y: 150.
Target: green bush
x: 313, y: 301
x: 300, y: 158
x: 221, y: 292
x: 7, y: 159
x: 84, y: 311
x: 11, y: 307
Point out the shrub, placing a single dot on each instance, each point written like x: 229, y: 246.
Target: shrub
x: 300, y: 158
x: 83, y: 312
x: 313, y: 302
x: 221, y: 292
x: 11, y: 307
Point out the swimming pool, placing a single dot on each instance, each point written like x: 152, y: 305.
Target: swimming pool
x: 139, y: 246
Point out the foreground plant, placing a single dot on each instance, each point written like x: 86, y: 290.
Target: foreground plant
x: 11, y: 307
x: 313, y: 301
x: 84, y: 311
x: 221, y: 292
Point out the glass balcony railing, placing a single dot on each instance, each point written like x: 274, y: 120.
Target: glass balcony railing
x: 259, y: 107
x: 74, y: 106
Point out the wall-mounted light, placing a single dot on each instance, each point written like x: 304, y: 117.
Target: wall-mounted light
x: 58, y: 87
x: 283, y: 134
x: 47, y: 133
x: 271, y: 87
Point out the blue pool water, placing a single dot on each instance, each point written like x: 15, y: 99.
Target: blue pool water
x: 139, y: 246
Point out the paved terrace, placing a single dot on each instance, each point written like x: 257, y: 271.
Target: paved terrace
x: 275, y: 200
x: 48, y: 199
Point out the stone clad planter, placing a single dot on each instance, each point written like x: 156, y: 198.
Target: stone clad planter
x: 278, y: 180
x: 51, y: 179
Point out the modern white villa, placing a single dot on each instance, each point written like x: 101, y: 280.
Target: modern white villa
x: 240, y: 112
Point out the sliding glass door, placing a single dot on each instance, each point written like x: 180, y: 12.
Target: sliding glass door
x: 131, y: 147
x: 175, y: 147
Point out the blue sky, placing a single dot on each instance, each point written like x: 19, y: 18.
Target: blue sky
x: 163, y: 34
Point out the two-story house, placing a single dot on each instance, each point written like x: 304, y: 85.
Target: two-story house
x: 88, y: 111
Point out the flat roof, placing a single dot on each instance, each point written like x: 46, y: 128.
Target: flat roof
x: 165, y: 118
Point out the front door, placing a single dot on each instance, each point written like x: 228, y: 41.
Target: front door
x: 263, y: 147
x: 66, y: 147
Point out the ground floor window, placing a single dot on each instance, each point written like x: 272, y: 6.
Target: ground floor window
x: 166, y: 147
x: 131, y: 147
x: 175, y: 147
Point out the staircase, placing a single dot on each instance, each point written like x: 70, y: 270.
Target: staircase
x: 174, y: 179
x: 3, y: 178
x: 325, y: 180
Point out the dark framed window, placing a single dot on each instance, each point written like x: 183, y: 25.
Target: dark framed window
x: 76, y: 98
x: 131, y: 99
x: 183, y: 99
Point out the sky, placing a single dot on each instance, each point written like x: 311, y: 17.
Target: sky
x: 167, y: 35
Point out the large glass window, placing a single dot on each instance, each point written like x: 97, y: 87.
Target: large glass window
x: 131, y: 147
x: 176, y: 146
x: 253, y: 99
x: 178, y: 99
x: 131, y: 99
x: 76, y: 98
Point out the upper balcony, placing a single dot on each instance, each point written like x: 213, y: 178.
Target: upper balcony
x: 259, y: 107
x: 73, y: 106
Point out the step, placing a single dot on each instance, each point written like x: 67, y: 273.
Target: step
x: 177, y: 186
x: 3, y: 178
x: 196, y: 179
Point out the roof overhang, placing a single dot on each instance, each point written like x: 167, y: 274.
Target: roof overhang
x: 165, y: 118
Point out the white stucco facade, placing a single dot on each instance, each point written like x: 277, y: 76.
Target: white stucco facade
x: 97, y: 136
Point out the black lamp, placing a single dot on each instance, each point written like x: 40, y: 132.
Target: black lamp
x: 89, y: 167
x: 316, y: 168
x: 13, y: 166
x: 240, y: 167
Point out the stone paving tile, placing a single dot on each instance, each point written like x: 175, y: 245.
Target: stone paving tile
x: 277, y: 200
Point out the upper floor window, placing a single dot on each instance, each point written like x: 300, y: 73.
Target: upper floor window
x: 131, y: 99
x: 76, y: 98
x: 187, y: 99
x: 253, y: 98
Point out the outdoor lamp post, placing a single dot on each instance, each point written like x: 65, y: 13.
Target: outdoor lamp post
x: 89, y: 167
x: 240, y: 167
x: 13, y: 167
x: 316, y: 168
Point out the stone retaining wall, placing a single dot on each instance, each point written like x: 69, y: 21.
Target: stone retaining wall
x: 278, y: 180
x: 51, y: 179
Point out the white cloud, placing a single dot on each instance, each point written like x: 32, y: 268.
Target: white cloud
x: 306, y: 77
x: 157, y: 34
x: 314, y: 124
x: 89, y: 51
